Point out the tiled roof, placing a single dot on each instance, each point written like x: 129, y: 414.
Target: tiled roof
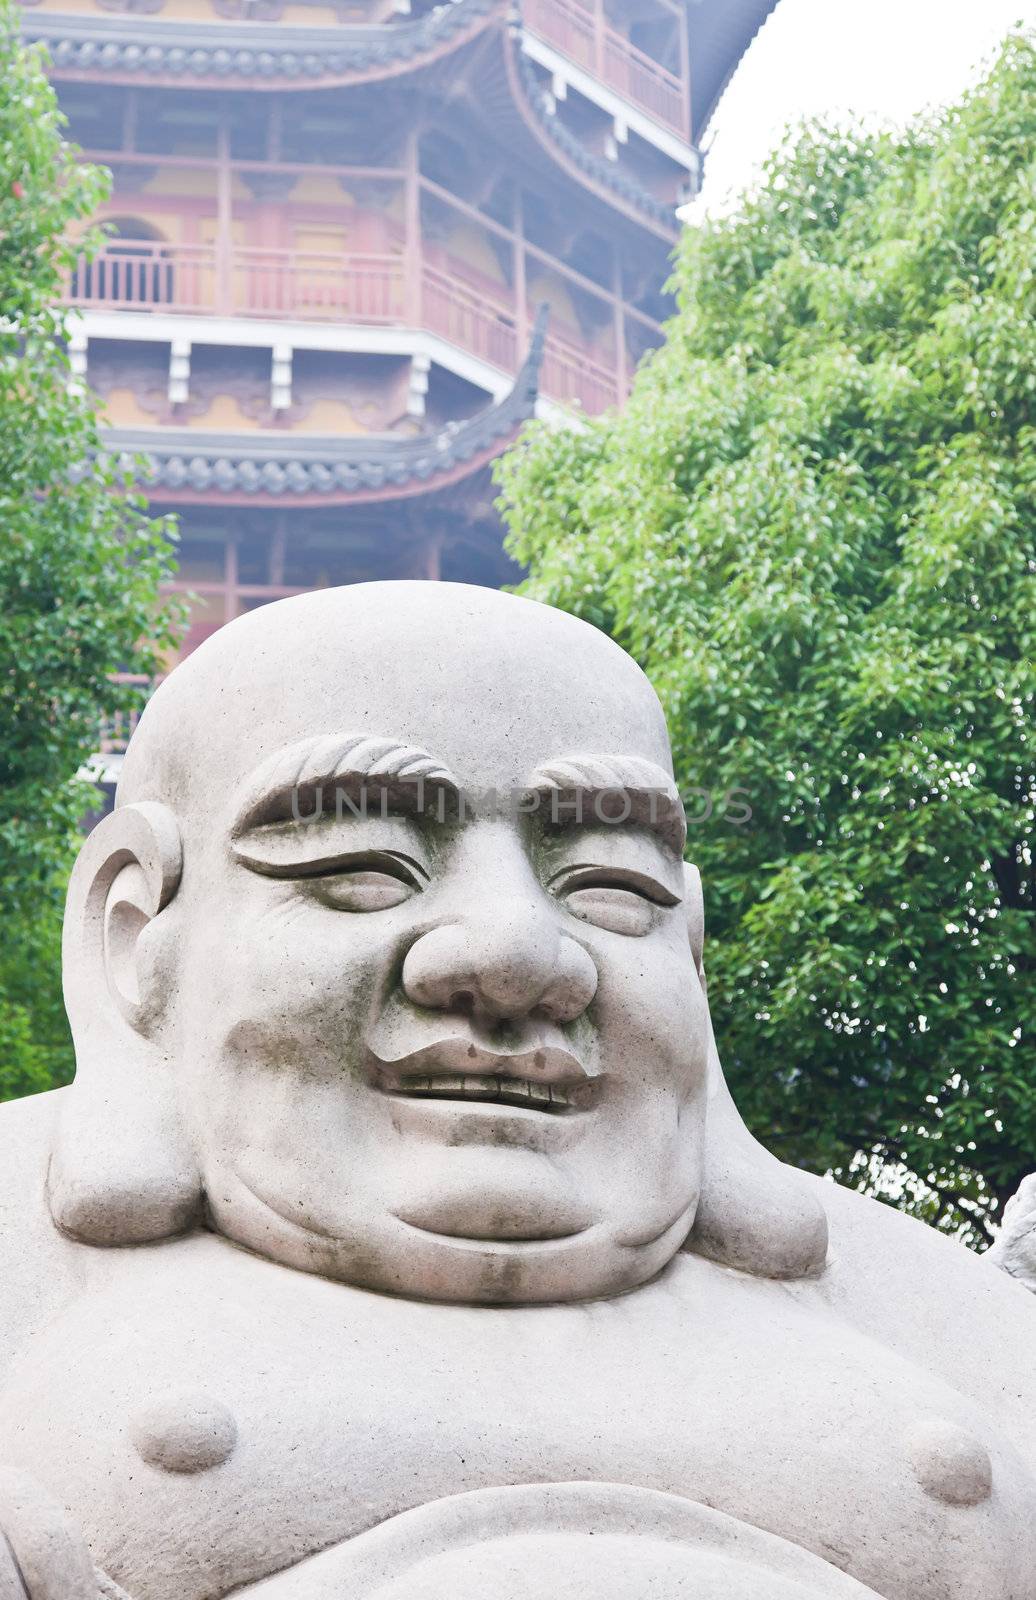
x: 334, y: 469
x: 605, y: 173
x: 720, y: 33
x: 249, y: 52
x: 133, y: 44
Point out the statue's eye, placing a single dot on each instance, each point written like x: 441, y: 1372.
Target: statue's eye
x: 616, y: 903
x: 365, y: 887
x: 618, y: 910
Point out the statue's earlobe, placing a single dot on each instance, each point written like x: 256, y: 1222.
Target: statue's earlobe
x: 694, y: 909
x: 122, y: 1170
x: 754, y: 1213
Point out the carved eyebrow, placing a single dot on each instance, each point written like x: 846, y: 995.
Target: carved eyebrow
x: 283, y: 788
x: 581, y: 781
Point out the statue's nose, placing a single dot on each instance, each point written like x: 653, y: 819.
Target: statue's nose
x: 514, y: 964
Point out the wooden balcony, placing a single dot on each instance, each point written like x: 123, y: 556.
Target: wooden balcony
x: 582, y: 33
x: 372, y: 290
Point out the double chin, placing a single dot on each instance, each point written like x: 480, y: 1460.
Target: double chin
x: 516, y: 1233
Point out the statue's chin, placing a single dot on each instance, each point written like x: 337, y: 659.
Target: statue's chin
x: 452, y: 1252
x: 534, y: 1204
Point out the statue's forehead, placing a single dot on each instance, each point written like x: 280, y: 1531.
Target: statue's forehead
x: 484, y: 730
x: 492, y: 687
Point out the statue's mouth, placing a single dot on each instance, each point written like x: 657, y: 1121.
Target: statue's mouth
x: 544, y: 1076
x: 490, y: 1089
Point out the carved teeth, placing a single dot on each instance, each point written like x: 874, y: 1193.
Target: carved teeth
x: 483, y: 1086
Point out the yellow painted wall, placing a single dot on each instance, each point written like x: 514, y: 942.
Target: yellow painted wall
x: 549, y: 287
x: 320, y: 189
x: 332, y: 416
x: 198, y: 183
x: 321, y: 241
x: 190, y: 11
x: 123, y: 410
x: 127, y: 207
x: 468, y: 243
x: 224, y: 412
x: 208, y: 227
x: 69, y: 7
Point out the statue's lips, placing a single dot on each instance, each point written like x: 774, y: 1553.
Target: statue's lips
x: 543, y: 1077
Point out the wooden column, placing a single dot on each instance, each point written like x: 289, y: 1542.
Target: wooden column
x: 230, y: 581
x: 412, y: 230
x: 224, y: 227
x: 278, y: 547
x: 275, y: 130
x: 621, y: 362
x: 521, y: 316
x: 433, y: 559
x: 129, y: 122
x: 600, y: 23
x: 685, y: 70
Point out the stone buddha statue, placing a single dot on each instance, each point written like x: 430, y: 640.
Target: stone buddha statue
x: 398, y: 1238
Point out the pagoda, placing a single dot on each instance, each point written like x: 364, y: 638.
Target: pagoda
x: 354, y: 244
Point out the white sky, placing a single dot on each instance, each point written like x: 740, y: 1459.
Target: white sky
x: 883, y: 59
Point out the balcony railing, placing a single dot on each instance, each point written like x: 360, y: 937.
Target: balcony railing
x: 379, y: 290
x: 588, y: 40
x: 258, y: 283
x: 277, y: 283
x: 570, y: 375
x: 468, y: 319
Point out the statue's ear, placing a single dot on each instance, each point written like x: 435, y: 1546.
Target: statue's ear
x: 122, y: 1170
x: 694, y: 907
x: 754, y: 1213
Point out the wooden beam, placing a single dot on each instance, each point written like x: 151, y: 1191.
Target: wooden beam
x: 208, y: 163
x: 521, y: 293
x: 230, y: 581
x: 621, y: 365
x: 278, y: 550
x: 412, y: 222
x: 129, y: 122
x: 275, y: 130
x: 224, y: 222
x: 685, y: 69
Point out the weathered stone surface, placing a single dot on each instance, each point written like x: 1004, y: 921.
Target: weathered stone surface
x: 398, y: 1237
x: 1015, y: 1249
x: 184, y: 1432
x: 950, y: 1464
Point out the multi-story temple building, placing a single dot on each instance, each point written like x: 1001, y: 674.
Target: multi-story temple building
x: 355, y: 243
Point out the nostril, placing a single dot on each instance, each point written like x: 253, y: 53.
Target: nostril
x: 462, y: 1000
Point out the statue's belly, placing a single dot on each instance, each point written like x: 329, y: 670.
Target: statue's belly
x: 565, y: 1541
x: 210, y: 1420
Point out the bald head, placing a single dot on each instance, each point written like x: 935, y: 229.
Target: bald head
x: 489, y: 686
x: 460, y: 1055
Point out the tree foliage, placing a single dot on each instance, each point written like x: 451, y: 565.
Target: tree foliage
x: 80, y: 564
x: 814, y: 527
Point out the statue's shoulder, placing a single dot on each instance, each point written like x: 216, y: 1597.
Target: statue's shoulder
x: 928, y: 1297
x: 38, y: 1266
x: 26, y: 1127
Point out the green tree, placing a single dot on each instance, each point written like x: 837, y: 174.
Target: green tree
x: 813, y: 525
x: 80, y: 565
